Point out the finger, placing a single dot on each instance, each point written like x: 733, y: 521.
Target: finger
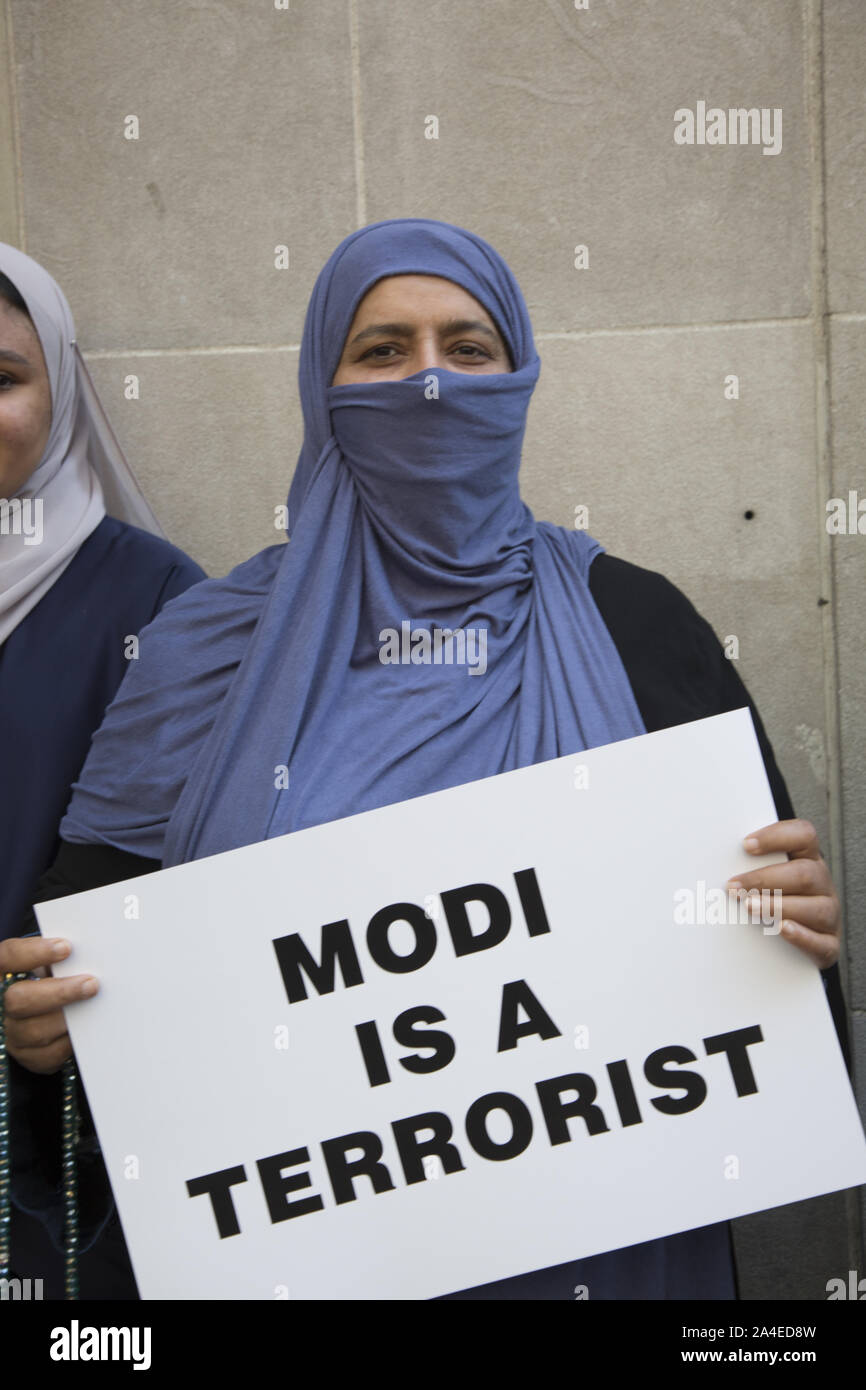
x: 27, y: 1033
x: 45, y: 1060
x: 19, y: 953
x: 795, y: 837
x: 819, y: 946
x: 30, y: 998
x: 805, y: 877
x: 818, y: 914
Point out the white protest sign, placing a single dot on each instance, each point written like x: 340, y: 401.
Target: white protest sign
x: 464, y: 1037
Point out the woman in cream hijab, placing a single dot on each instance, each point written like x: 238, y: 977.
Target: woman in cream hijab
x: 75, y: 585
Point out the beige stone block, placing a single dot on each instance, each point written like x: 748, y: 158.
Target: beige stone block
x: 636, y: 427
x: 213, y: 440
x: 790, y: 1252
x: 245, y: 143
x: 556, y: 129
x: 845, y: 153
x: 848, y: 346
x: 10, y: 230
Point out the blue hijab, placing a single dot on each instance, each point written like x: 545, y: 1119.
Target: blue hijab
x: 263, y: 702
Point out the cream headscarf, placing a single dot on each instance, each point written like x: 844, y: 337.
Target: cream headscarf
x: 82, y: 472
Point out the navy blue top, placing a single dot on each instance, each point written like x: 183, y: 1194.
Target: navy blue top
x: 59, y: 670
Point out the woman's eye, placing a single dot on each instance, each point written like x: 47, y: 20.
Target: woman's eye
x: 472, y: 349
x: 6, y: 381
x: 376, y: 353
x: 386, y: 352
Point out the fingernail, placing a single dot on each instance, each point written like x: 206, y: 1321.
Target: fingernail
x: 751, y: 844
x: 733, y: 885
x: 788, y: 929
x: 89, y: 987
x: 59, y: 948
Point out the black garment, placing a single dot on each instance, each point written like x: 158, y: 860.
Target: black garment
x: 678, y: 672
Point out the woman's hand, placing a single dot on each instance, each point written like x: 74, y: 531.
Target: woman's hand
x: 811, y: 915
x: 36, y: 1033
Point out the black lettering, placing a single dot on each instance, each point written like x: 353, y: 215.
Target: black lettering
x: 465, y: 941
x: 275, y: 1186
x: 217, y: 1185
x: 530, y: 900
x: 371, y: 1051
x: 557, y: 1113
x: 656, y: 1073
x: 476, y: 1126
x: 623, y: 1093
x: 441, y: 1044
x: 413, y: 1150
x: 380, y: 947
x: 517, y: 995
x: 342, y: 1171
x: 734, y: 1044
x: 337, y: 945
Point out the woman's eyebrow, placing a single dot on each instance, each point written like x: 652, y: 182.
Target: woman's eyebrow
x: 469, y: 326
x: 7, y: 355
x: 377, y: 330
x: 407, y: 330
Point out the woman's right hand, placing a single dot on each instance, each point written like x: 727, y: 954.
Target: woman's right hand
x: 36, y: 1033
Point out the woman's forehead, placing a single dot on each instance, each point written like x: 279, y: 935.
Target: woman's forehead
x: 418, y: 295
x: 18, y: 335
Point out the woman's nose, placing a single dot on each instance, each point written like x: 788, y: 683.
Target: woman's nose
x: 431, y: 362
x: 429, y: 354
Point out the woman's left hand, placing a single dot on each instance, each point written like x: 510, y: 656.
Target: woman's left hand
x: 811, y: 914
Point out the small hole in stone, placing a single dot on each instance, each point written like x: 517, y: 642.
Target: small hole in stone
x: 748, y: 514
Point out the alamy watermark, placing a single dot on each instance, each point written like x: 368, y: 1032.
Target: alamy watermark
x: 738, y: 125
x: 854, y: 1288
x: 21, y: 1290
x: 77, y: 1343
x: 718, y: 907
x: 22, y: 516
x: 438, y: 646
x: 846, y: 517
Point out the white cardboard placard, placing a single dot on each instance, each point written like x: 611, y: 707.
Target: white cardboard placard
x: 196, y: 1062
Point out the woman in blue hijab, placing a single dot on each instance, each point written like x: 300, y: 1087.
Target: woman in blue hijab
x: 268, y: 701
x: 405, y: 505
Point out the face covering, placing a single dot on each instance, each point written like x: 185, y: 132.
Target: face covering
x: 315, y: 681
